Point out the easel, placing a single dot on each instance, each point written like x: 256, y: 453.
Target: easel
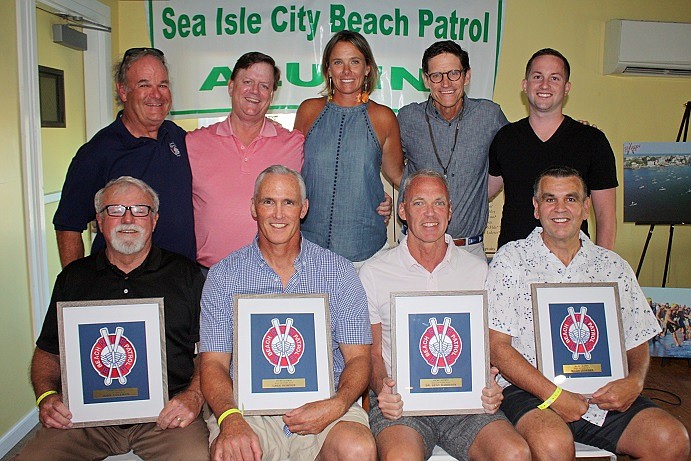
x: 683, y: 129
x: 681, y: 136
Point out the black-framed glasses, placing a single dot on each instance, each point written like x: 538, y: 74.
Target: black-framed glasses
x: 135, y: 51
x: 118, y: 211
x: 452, y: 75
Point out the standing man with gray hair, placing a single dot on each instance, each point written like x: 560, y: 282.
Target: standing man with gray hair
x: 451, y: 133
x: 129, y: 267
x: 139, y: 143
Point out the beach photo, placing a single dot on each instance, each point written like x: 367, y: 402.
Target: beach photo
x: 657, y: 182
x: 672, y: 308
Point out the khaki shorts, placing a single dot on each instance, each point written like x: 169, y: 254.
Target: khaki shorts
x: 276, y: 446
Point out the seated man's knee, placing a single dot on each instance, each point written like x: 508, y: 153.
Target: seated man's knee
x: 360, y: 446
x: 548, y: 441
x: 349, y: 441
x: 672, y: 440
x: 655, y: 433
x: 400, y: 443
x: 512, y: 447
x: 515, y: 449
x: 400, y: 452
x: 559, y: 446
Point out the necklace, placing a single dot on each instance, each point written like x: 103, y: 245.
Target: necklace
x: 434, y: 144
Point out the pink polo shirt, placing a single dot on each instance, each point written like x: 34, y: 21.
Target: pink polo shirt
x: 223, y: 175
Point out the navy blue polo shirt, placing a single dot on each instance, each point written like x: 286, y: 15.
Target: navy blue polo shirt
x: 162, y: 163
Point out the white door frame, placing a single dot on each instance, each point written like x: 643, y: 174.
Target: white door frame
x: 99, y: 112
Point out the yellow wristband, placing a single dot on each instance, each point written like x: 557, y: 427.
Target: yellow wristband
x: 43, y: 396
x: 550, y: 400
x: 226, y: 414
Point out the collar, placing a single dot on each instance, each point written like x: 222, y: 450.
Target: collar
x: 130, y: 140
x: 409, y: 262
x: 300, y: 260
x: 225, y: 128
x: 358, y: 107
x: 151, y: 264
x: 431, y: 109
x: 535, y: 240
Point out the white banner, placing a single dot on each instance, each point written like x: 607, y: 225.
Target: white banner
x: 202, y: 41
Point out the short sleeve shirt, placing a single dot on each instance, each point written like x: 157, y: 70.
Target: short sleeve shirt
x: 162, y: 163
x: 519, y: 156
x: 472, y: 132
x: 223, y: 175
x: 396, y: 270
x: 520, y: 263
x: 173, y: 277
x: 317, y: 270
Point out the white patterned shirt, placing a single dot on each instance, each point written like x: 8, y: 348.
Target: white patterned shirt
x: 316, y: 271
x: 520, y: 263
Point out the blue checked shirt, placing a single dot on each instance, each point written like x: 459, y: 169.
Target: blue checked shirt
x: 316, y: 271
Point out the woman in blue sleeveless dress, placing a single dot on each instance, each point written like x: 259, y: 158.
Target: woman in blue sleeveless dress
x: 348, y: 140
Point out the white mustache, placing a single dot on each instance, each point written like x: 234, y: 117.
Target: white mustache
x: 129, y: 227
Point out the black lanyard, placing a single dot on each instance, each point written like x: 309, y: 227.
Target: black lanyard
x: 434, y: 144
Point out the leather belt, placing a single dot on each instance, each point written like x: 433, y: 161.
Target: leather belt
x: 461, y: 242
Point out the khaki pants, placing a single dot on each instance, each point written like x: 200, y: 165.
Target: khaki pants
x: 276, y: 446
x: 147, y: 440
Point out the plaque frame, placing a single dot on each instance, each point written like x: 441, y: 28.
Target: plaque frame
x: 133, y: 391
x: 273, y: 380
x: 441, y: 389
x: 589, y: 363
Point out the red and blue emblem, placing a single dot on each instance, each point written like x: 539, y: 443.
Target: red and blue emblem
x: 440, y: 345
x: 579, y: 333
x: 113, y: 356
x: 283, y: 346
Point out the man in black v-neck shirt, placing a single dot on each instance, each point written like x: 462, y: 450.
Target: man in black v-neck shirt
x: 547, y: 138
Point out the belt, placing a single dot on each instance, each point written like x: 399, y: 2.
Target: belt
x: 468, y: 241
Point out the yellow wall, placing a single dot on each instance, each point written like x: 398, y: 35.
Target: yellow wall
x: 60, y: 144
x: 625, y: 108
x: 16, y: 335
x: 16, y: 340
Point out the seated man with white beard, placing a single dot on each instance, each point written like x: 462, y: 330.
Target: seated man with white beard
x: 129, y: 267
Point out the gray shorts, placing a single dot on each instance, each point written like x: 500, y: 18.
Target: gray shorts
x: 454, y: 433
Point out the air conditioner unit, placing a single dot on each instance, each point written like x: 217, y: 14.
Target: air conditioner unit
x: 647, y: 48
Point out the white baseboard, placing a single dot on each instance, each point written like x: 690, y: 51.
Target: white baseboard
x: 17, y: 433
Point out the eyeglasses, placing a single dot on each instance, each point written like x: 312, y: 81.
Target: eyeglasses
x: 452, y: 75
x: 118, y: 211
x: 135, y: 51
x: 131, y: 51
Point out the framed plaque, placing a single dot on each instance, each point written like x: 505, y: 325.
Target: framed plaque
x: 281, y: 352
x: 113, y: 360
x: 578, y: 334
x: 440, y: 352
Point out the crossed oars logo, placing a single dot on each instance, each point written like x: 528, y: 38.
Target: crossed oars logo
x: 113, y: 358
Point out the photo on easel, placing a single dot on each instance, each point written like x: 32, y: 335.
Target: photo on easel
x: 672, y: 309
x: 657, y: 182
